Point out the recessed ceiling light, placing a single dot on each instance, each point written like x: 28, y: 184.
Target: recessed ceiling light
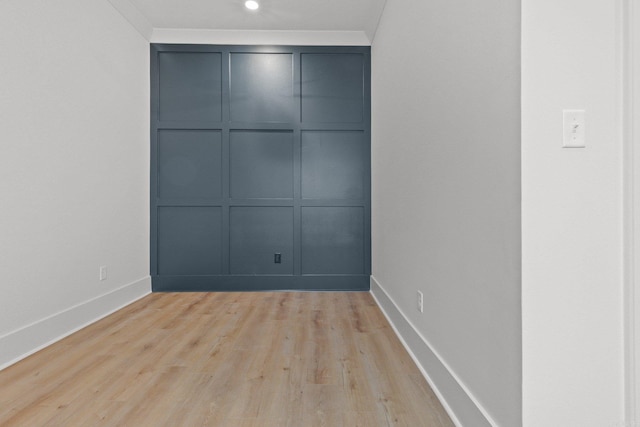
x: 251, y: 4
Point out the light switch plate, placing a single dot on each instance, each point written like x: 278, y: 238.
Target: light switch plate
x: 574, y: 129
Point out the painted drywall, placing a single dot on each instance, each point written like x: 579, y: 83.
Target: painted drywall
x: 446, y: 193
x: 74, y: 168
x: 134, y: 17
x: 631, y: 154
x: 572, y: 215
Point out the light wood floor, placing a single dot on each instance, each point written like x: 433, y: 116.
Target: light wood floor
x: 225, y: 359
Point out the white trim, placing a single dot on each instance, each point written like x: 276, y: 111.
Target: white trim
x: 134, y: 17
x: 424, y: 373
x: 422, y: 364
x: 18, y: 344
x: 630, y: 96
x: 633, y: 288
x: 260, y: 37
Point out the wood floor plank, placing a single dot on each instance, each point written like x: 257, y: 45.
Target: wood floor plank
x: 285, y: 359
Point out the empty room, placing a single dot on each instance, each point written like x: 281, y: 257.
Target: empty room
x: 319, y: 213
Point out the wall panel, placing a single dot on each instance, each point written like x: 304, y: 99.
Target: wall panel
x: 190, y: 86
x: 260, y: 168
x: 189, y: 164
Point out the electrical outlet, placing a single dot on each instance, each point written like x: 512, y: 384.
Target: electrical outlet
x: 420, y: 302
x: 103, y: 272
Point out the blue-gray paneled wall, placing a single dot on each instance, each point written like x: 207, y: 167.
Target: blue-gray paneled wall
x: 260, y: 168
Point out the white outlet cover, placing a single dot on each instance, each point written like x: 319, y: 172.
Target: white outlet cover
x: 103, y: 273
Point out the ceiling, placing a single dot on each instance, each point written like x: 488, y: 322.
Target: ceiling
x: 275, y: 15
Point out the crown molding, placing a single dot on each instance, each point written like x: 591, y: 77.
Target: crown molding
x: 260, y: 37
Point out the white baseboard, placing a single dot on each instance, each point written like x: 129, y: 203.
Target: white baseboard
x: 27, y: 340
x: 463, y: 408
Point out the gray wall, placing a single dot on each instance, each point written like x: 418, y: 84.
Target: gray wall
x: 74, y: 168
x: 446, y: 192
